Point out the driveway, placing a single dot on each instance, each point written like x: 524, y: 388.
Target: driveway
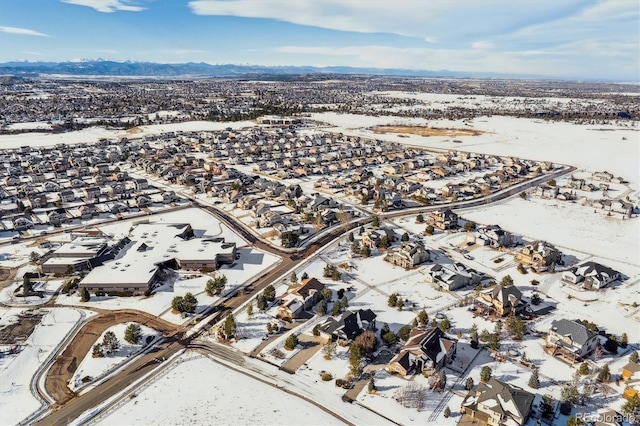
x: 310, y: 346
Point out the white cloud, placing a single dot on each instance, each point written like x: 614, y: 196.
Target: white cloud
x: 21, y: 31
x: 107, y: 6
x: 533, y: 62
x: 482, y: 45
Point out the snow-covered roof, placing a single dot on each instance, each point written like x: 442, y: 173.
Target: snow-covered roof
x: 164, y: 242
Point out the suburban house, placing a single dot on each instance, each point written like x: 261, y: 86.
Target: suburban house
x: 372, y: 238
x: 300, y: 297
x: 539, y: 255
x: 426, y: 352
x: 443, y: 220
x: 349, y: 325
x: 631, y: 376
x: 592, y: 275
x: 502, y: 300
x: 570, y: 339
x: 494, y: 236
x: 408, y: 255
x: 498, y: 403
x: 453, y: 276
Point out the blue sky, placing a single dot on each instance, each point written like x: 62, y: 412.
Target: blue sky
x: 581, y: 39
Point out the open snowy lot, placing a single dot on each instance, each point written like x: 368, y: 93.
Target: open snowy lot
x: 566, y: 224
x: 94, y: 134
x: 17, y: 371
x: 200, y: 391
x: 95, y: 367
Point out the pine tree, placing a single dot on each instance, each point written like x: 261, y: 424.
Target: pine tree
x: 84, y: 295
x: 604, y: 376
x: 506, y: 281
x: 229, y: 326
x: 261, y: 302
x: 337, y: 309
x: 384, y: 329
x: 110, y: 342
x: 442, y: 380
x: 390, y: 338
x: 269, y: 293
x: 468, y: 384
x: 534, y: 380
x: 293, y: 278
x: 569, y: 394
x: 376, y: 222
x: 392, y: 300
x: 447, y: 412
x: 250, y: 309
x: 498, y: 327
x: 133, y: 333
x: 634, y: 356
x: 356, y: 353
x: 27, y: 285
x: 485, y: 373
x: 190, y: 303
x: 97, y: 351
x: 574, y: 421
x: 518, y: 329
x: 291, y: 342
x: 404, y: 332
x: 372, y: 385
x: 546, y: 406
x: 624, y: 340
x: 399, y: 303
x: 423, y: 318
x: 494, y: 342
x: 473, y: 334
x: 405, y: 237
x: 632, y: 406
x: 584, y: 369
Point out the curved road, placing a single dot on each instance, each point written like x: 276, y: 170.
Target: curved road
x: 65, y: 364
x: 69, y: 406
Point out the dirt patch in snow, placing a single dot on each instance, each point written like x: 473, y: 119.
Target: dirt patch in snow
x: 426, y: 131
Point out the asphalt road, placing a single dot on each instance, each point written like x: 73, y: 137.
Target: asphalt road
x: 132, y: 372
x: 146, y: 363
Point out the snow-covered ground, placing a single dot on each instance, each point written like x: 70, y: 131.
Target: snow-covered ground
x: 94, y: 134
x: 200, y: 391
x: 47, y: 288
x: 93, y: 368
x: 16, y: 371
x: 566, y: 224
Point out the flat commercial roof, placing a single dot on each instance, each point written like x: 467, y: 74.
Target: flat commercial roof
x: 152, y: 244
x: 81, y: 247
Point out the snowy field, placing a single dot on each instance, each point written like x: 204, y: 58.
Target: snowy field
x: 579, y: 145
x: 47, y: 288
x: 95, y: 367
x: 566, y: 224
x: 16, y: 371
x: 200, y: 391
x: 94, y: 134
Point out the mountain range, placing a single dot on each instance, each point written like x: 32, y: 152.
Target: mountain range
x: 201, y: 69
